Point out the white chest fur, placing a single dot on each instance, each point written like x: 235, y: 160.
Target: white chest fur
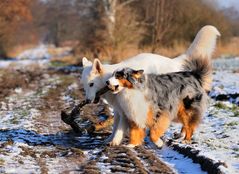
x: 134, y: 106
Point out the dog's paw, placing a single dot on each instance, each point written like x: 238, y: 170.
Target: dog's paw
x: 130, y: 145
x: 187, y: 142
x: 178, y: 136
x: 159, y: 143
x: 114, y: 143
x: 116, y: 140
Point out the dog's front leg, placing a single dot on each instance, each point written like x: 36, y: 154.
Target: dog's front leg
x: 120, y: 131
x: 136, y: 134
x: 115, y: 126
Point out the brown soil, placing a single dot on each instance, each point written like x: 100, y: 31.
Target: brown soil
x: 11, y: 79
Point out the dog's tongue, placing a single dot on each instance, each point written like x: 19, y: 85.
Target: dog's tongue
x: 101, y: 92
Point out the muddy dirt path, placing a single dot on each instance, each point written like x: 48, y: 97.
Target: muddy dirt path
x: 33, y: 139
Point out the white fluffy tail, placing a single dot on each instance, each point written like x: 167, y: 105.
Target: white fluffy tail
x: 204, y: 43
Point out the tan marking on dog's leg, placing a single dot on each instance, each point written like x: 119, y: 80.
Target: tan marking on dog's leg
x: 189, y: 119
x: 190, y: 130
x: 186, y: 128
x: 150, y: 116
x: 137, y: 134
x: 183, y: 118
x: 159, y: 127
x: 188, y: 134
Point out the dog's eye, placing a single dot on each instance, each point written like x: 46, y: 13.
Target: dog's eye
x: 119, y: 75
x: 91, y: 84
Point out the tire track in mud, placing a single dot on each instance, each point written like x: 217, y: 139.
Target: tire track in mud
x: 154, y: 164
x: 121, y: 159
x: 206, y: 163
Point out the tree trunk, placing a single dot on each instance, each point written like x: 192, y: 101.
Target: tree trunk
x: 110, y: 11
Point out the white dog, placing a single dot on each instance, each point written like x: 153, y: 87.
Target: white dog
x: 95, y: 74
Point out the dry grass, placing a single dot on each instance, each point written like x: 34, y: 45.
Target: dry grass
x: 172, y: 52
x: 15, y: 51
x: 54, y: 51
x: 164, y: 51
x: 10, y: 79
x: 67, y: 60
x: 229, y: 49
x: 110, y: 55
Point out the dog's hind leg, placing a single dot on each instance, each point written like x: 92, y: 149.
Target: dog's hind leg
x: 195, y: 118
x: 186, y: 130
x: 192, y: 116
x: 187, y: 117
x: 190, y: 122
x: 181, y: 135
x: 182, y: 117
x: 159, y: 128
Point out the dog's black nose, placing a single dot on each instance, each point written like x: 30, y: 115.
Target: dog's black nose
x: 116, y: 87
x: 107, y: 82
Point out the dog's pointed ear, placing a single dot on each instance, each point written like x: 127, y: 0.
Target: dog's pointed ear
x: 138, y: 73
x: 97, y: 67
x: 86, y: 62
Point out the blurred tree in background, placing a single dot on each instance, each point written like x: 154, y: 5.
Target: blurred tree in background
x: 12, y: 13
x: 110, y: 28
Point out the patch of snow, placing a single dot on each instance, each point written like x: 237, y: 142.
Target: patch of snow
x: 3, y: 106
x: 11, y: 160
x: 39, y: 52
x: 217, y: 136
x: 18, y: 90
x: 226, y: 64
x: 181, y: 164
x: 73, y: 86
x: 5, y: 63
x: 225, y: 83
x: 177, y: 162
x: 22, y: 63
x: 18, y: 111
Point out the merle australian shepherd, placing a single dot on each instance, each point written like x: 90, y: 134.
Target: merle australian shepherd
x: 179, y: 96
